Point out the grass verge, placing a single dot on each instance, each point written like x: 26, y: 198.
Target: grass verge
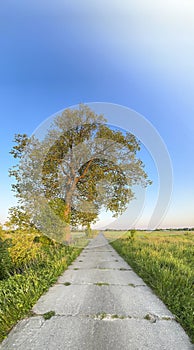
x: 20, y: 291
x: 166, y: 263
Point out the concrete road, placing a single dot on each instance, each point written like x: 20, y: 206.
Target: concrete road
x: 99, y: 304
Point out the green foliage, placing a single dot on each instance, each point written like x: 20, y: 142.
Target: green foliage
x: 166, y: 265
x: 23, y: 251
x: 80, y: 166
x: 67, y: 284
x: 19, y: 219
x: 5, y: 260
x: 48, y: 220
x: 48, y: 315
x: 21, y: 140
x: 131, y: 235
x: 58, y: 206
x: 46, y: 241
x: 100, y: 284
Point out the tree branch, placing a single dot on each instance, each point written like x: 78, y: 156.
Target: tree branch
x: 85, y: 170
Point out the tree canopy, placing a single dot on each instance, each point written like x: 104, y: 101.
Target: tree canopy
x: 80, y: 165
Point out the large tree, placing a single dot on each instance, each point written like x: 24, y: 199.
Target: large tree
x: 78, y: 166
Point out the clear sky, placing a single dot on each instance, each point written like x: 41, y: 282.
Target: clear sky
x: 135, y: 53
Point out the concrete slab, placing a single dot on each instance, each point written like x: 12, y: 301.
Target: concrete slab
x: 82, y: 333
x: 99, y: 255
x: 99, y: 264
x: 91, y: 276
x: 93, y: 299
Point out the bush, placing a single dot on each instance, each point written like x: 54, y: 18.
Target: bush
x: 23, y: 250
x: 43, y: 239
x: 131, y: 235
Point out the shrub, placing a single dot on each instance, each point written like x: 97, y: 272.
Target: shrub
x: 23, y: 250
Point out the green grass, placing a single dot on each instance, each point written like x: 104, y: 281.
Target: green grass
x: 67, y: 284
x: 165, y: 260
x: 120, y: 317
x: 25, y: 284
x: 48, y: 315
x: 101, y: 315
x: 112, y: 235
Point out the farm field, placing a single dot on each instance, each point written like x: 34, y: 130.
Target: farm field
x: 165, y: 260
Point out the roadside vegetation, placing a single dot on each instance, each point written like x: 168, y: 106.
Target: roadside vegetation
x: 165, y: 261
x: 29, y: 264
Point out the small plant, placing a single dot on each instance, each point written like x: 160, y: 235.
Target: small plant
x: 101, y: 315
x: 48, y: 315
x: 131, y: 285
x: 101, y: 284
x: 167, y: 318
x: 150, y: 318
x: 147, y: 317
x: 67, y: 284
x: 131, y: 235
x: 120, y: 317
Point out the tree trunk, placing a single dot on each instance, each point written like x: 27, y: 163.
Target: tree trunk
x: 67, y: 234
x: 67, y: 211
x: 88, y: 230
x: 67, y: 216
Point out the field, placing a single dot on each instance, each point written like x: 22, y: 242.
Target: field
x: 165, y: 260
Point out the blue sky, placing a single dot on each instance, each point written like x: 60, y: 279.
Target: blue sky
x: 135, y: 53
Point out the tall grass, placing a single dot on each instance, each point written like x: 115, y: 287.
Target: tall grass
x: 167, y: 265
x: 30, y: 275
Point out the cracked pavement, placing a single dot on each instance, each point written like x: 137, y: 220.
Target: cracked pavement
x: 99, y: 303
